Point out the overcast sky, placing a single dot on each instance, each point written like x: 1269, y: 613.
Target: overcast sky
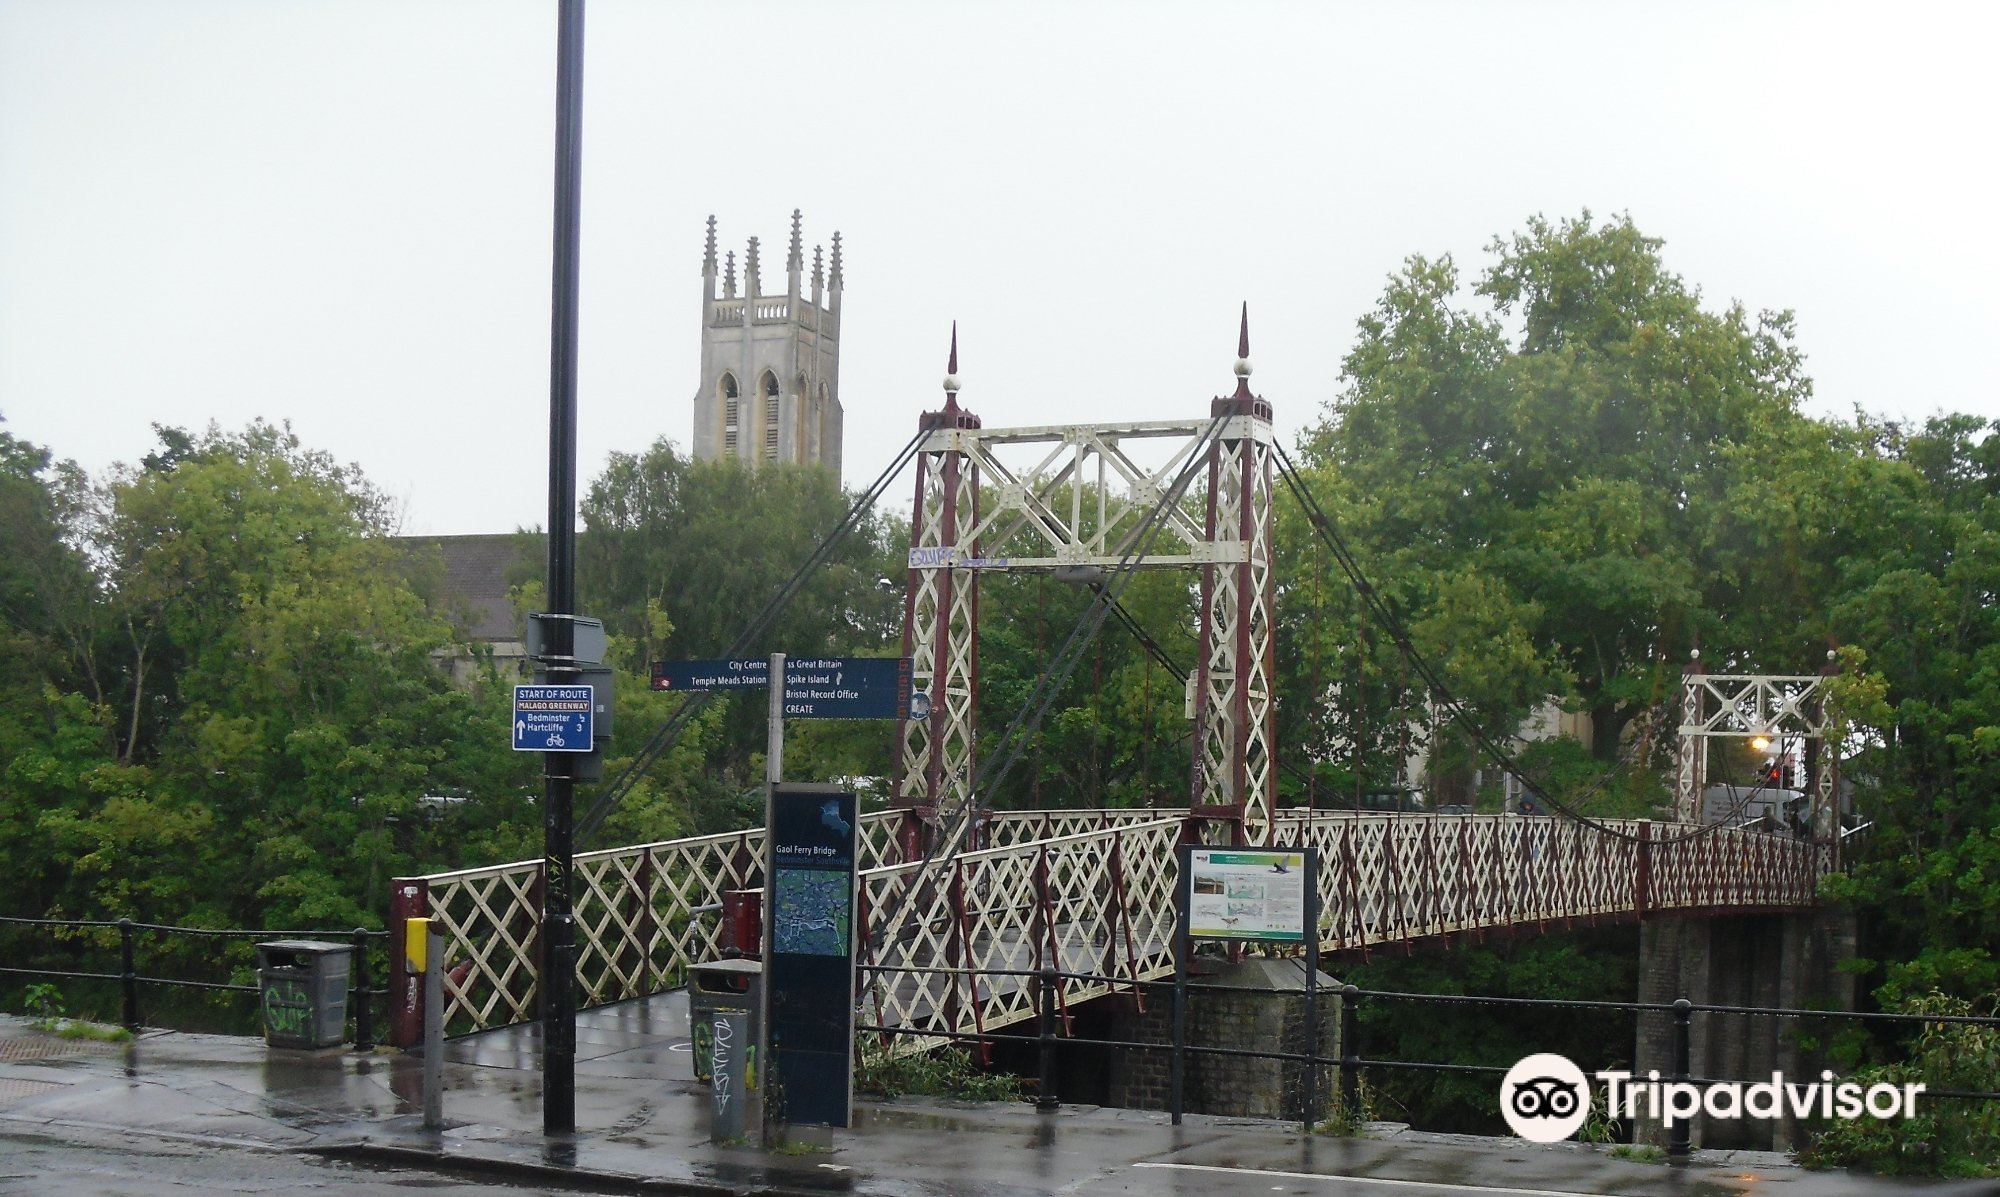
x: 337, y: 213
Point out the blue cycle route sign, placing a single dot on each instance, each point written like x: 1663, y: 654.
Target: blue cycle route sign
x: 552, y: 718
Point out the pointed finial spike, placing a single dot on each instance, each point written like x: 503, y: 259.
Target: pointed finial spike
x: 793, y: 260
x: 1243, y: 356
x: 951, y: 372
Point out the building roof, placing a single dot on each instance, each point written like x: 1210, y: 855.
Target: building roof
x: 478, y: 572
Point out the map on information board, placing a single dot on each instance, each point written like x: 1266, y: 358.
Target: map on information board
x: 812, y: 912
x: 1240, y: 894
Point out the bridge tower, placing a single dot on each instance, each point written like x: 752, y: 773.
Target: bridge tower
x: 1079, y: 505
x: 1778, y: 708
x: 940, y: 618
x: 1233, y: 777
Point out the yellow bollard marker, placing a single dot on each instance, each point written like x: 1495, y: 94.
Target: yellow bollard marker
x: 416, y: 943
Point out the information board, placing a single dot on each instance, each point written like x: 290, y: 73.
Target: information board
x: 809, y: 953
x: 1239, y: 893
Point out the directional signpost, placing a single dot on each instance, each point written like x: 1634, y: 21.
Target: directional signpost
x: 815, y: 687
x: 553, y: 718
x: 725, y: 673
x: 809, y: 889
x: 847, y: 688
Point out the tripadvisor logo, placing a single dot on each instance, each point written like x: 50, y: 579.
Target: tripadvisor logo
x: 1545, y: 1098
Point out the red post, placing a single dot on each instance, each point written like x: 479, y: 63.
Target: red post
x: 1348, y: 871
x: 1643, y: 871
x: 742, y: 923
x: 959, y: 956
x: 409, y: 898
x: 1469, y: 913
x: 910, y: 835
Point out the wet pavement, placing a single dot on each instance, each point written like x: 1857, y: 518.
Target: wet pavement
x: 227, y: 1115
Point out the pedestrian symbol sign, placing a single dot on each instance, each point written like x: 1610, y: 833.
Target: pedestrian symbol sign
x: 553, y: 718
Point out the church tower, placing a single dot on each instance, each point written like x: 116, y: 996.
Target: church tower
x: 770, y: 362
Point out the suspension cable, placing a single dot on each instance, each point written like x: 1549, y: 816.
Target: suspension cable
x: 669, y: 732
x: 1387, y: 620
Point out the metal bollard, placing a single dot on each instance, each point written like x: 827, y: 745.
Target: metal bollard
x: 364, y: 1021
x: 1350, y: 1051
x: 1680, y: 1137
x: 1045, y: 1002
x: 128, y: 975
x: 423, y: 955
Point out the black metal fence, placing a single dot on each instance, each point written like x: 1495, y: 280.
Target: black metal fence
x: 73, y: 937
x: 1352, y: 1064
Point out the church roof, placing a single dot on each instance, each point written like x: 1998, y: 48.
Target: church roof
x: 478, y: 572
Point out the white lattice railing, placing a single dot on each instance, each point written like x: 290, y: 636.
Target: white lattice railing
x: 1101, y: 901
x: 643, y: 914
x: 1084, y: 892
x: 1395, y: 879
x: 1095, y: 901
x: 1004, y: 829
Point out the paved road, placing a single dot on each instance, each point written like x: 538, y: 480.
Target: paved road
x: 105, y: 1162
x: 80, y: 1162
x: 220, y: 1115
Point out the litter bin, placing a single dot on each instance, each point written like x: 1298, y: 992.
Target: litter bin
x: 723, y: 998
x: 302, y: 987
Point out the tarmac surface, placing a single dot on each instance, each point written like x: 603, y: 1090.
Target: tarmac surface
x: 223, y: 1114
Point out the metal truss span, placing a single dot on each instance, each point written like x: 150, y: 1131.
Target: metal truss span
x: 1085, y: 892
x: 1746, y: 706
x: 1082, y: 501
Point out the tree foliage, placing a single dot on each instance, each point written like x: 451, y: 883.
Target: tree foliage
x: 1538, y: 471
x: 239, y: 715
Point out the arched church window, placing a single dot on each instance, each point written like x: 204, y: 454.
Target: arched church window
x: 802, y: 420
x: 770, y: 388
x: 731, y: 415
x: 819, y: 423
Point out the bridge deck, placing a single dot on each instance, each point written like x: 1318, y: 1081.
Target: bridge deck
x: 642, y: 1037
x: 1086, y: 892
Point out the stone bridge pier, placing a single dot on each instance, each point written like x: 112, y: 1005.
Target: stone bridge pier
x: 1773, y: 959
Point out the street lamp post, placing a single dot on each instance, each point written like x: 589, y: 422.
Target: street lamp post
x: 558, y: 980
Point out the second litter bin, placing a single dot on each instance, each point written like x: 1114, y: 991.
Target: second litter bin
x: 302, y: 991
x: 722, y: 1020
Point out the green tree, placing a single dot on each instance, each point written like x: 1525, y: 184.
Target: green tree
x: 275, y: 719
x: 679, y: 556
x: 1533, y: 472
x: 1917, y: 522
